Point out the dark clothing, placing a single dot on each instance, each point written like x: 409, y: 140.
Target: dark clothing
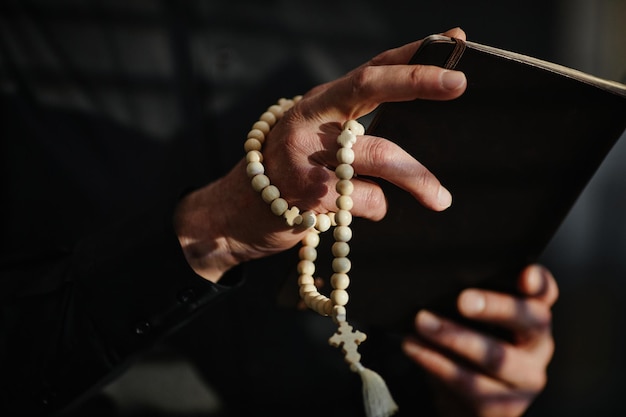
x: 83, y: 293
x: 91, y: 272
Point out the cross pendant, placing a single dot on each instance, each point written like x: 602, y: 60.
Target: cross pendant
x: 348, y: 339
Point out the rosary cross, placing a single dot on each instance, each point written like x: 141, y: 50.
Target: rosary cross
x: 348, y: 339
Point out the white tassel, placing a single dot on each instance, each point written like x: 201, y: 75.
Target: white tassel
x: 376, y: 396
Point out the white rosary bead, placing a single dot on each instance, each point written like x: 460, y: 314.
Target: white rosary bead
x: 256, y: 134
x: 308, y: 253
x: 279, y: 206
x: 255, y: 168
x: 345, y: 156
x: 307, y: 289
x: 342, y: 234
x: 328, y: 307
x: 308, y: 219
x: 254, y: 156
x: 276, y: 110
x: 306, y: 280
x: 269, y: 118
x: 340, y: 281
x: 309, y: 298
x: 270, y: 193
x: 263, y: 126
x: 340, y: 249
x: 259, y: 182
x: 318, y: 303
x: 322, y: 223
x: 344, y: 187
x: 343, y: 218
x: 311, y: 239
x: 252, y: 144
x: 306, y: 267
x: 339, y: 297
x: 342, y: 265
x: 325, y: 307
x: 344, y: 202
x: 344, y: 171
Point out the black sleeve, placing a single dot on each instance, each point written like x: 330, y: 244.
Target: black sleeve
x: 69, y: 322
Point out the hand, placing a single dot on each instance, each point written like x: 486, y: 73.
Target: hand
x: 477, y: 374
x: 226, y: 222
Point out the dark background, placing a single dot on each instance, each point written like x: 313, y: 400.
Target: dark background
x: 247, y: 51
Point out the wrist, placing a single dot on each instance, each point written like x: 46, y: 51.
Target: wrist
x: 199, y: 224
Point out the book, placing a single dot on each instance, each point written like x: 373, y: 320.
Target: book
x: 515, y: 150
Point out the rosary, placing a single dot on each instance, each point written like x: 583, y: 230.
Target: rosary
x: 377, y: 399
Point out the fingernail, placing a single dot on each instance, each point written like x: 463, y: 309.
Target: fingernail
x: 536, y: 281
x: 427, y: 322
x: 452, y: 80
x: 444, y: 197
x: 471, y: 302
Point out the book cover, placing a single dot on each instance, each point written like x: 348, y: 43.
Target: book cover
x: 515, y: 150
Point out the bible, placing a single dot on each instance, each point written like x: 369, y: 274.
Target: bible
x: 515, y: 150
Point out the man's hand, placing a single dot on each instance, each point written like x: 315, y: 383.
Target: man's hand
x: 478, y: 374
x: 226, y: 222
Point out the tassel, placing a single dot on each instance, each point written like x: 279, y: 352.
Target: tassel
x: 376, y: 396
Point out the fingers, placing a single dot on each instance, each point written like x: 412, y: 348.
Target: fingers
x: 362, y: 90
x: 520, y: 364
x: 519, y: 315
x: 378, y: 158
x: 528, y: 317
x: 538, y: 282
x: 486, y: 395
x: 489, y: 355
x: 385, y: 78
x: 455, y: 33
x: 403, y: 54
x: 384, y: 159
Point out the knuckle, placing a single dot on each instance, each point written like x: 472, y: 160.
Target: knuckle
x: 379, y: 59
x: 465, y: 381
x: 424, y: 179
x: 494, y: 357
x: 416, y: 76
x: 380, y: 154
x: 376, y: 203
x: 360, y: 80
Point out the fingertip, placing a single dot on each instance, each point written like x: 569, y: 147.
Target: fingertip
x: 456, y: 32
x: 453, y: 80
x: 444, y: 198
x: 410, y: 347
x: 536, y: 280
x: 471, y: 303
